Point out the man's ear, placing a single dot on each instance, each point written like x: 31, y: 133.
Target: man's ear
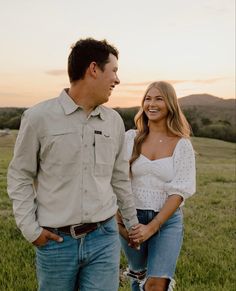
x: 93, y: 69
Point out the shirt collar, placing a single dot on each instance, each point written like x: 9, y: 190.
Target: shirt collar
x: 70, y: 106
x: 98, y: 111
x: 67, y: 103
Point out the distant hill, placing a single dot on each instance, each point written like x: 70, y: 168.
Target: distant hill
x: 202, y: 106
x: 206, y: 100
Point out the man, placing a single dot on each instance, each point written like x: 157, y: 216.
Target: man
x: 69, y: 172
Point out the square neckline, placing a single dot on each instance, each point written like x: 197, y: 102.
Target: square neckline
x: 168, y: 157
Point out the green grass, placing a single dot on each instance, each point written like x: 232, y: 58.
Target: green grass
x: 207, y: 260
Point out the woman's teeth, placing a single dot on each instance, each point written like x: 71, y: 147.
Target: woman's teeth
x: 153, y: 110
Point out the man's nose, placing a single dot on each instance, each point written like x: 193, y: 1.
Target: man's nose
x: 117, y: 80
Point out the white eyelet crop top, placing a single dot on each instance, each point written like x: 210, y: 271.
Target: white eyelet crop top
x: 153, y: 181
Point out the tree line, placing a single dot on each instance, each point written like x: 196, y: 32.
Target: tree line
x: 202, y: 126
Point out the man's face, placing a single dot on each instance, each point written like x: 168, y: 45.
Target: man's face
x: 107, y: 80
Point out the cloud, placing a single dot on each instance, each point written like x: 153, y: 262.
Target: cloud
x: 56, y: 72
x: 207, y: 81
x: 131, y: 92
x: 136, y: 84
x: 218, y: 7
x: 202, y: 81
x: 61, y: 72
x: 10, y: 95
x: 149, y: 82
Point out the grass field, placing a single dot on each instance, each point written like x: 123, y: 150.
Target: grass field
x: 207, y: 260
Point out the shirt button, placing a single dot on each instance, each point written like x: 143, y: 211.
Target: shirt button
x: 85, y: 168
x: 85, y: 145
x: 85, y: 191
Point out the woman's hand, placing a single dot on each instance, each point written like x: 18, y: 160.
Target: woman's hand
x: 124, y: 233
x: 141, y: 232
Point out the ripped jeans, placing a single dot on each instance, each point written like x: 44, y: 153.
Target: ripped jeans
x: 158, y: 255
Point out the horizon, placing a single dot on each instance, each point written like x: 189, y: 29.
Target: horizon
x: 191, y: 45
x: 132, y: 106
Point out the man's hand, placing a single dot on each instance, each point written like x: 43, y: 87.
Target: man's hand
x: 133, y: 244
x: 45, y: 236
x: 123, y: 232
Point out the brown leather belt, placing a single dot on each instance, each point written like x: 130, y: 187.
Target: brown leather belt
x: 78, y: 230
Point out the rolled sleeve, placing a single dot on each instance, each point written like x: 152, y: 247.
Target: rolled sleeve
x: 22, y: 172
x: 122, y: 185
x: 184, y: 181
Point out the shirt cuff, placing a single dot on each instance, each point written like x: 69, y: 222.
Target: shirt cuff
x: 32, y: 232
x: 129, y: 223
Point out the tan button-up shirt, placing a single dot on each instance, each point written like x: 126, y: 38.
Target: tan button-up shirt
x: 69, y: 168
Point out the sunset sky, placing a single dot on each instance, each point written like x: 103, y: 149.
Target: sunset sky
x: 189, y: 43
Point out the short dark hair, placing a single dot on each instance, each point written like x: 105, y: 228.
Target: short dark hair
x: 85, y: 51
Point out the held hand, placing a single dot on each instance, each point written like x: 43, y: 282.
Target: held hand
x: 123, y: 232
x: 133, y: 245
x: 45, y: 236
x: 140, y: 233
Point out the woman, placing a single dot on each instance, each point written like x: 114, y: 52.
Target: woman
x: 162, y: 168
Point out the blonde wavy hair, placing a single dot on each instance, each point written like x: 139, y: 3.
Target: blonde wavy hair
x: 176, y: 122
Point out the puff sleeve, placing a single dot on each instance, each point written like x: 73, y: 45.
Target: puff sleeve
x: 184, y: 181
x: 129, y: 143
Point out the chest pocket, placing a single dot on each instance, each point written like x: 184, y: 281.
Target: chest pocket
x: 104, y: 155
x: 60, y: 152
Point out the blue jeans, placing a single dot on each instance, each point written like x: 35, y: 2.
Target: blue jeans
x: 158, y: 255
x: 89, y: 263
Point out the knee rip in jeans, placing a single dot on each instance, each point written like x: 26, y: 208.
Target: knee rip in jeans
x: 135, y: 275
x: 171, y: 285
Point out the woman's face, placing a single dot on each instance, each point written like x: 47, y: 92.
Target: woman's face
x: 154, y: 105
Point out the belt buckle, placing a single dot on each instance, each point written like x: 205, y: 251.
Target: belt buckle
x: 72, y: 231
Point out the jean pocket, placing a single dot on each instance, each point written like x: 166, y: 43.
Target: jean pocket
x: 109, y: 227
x: 50, y: 244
